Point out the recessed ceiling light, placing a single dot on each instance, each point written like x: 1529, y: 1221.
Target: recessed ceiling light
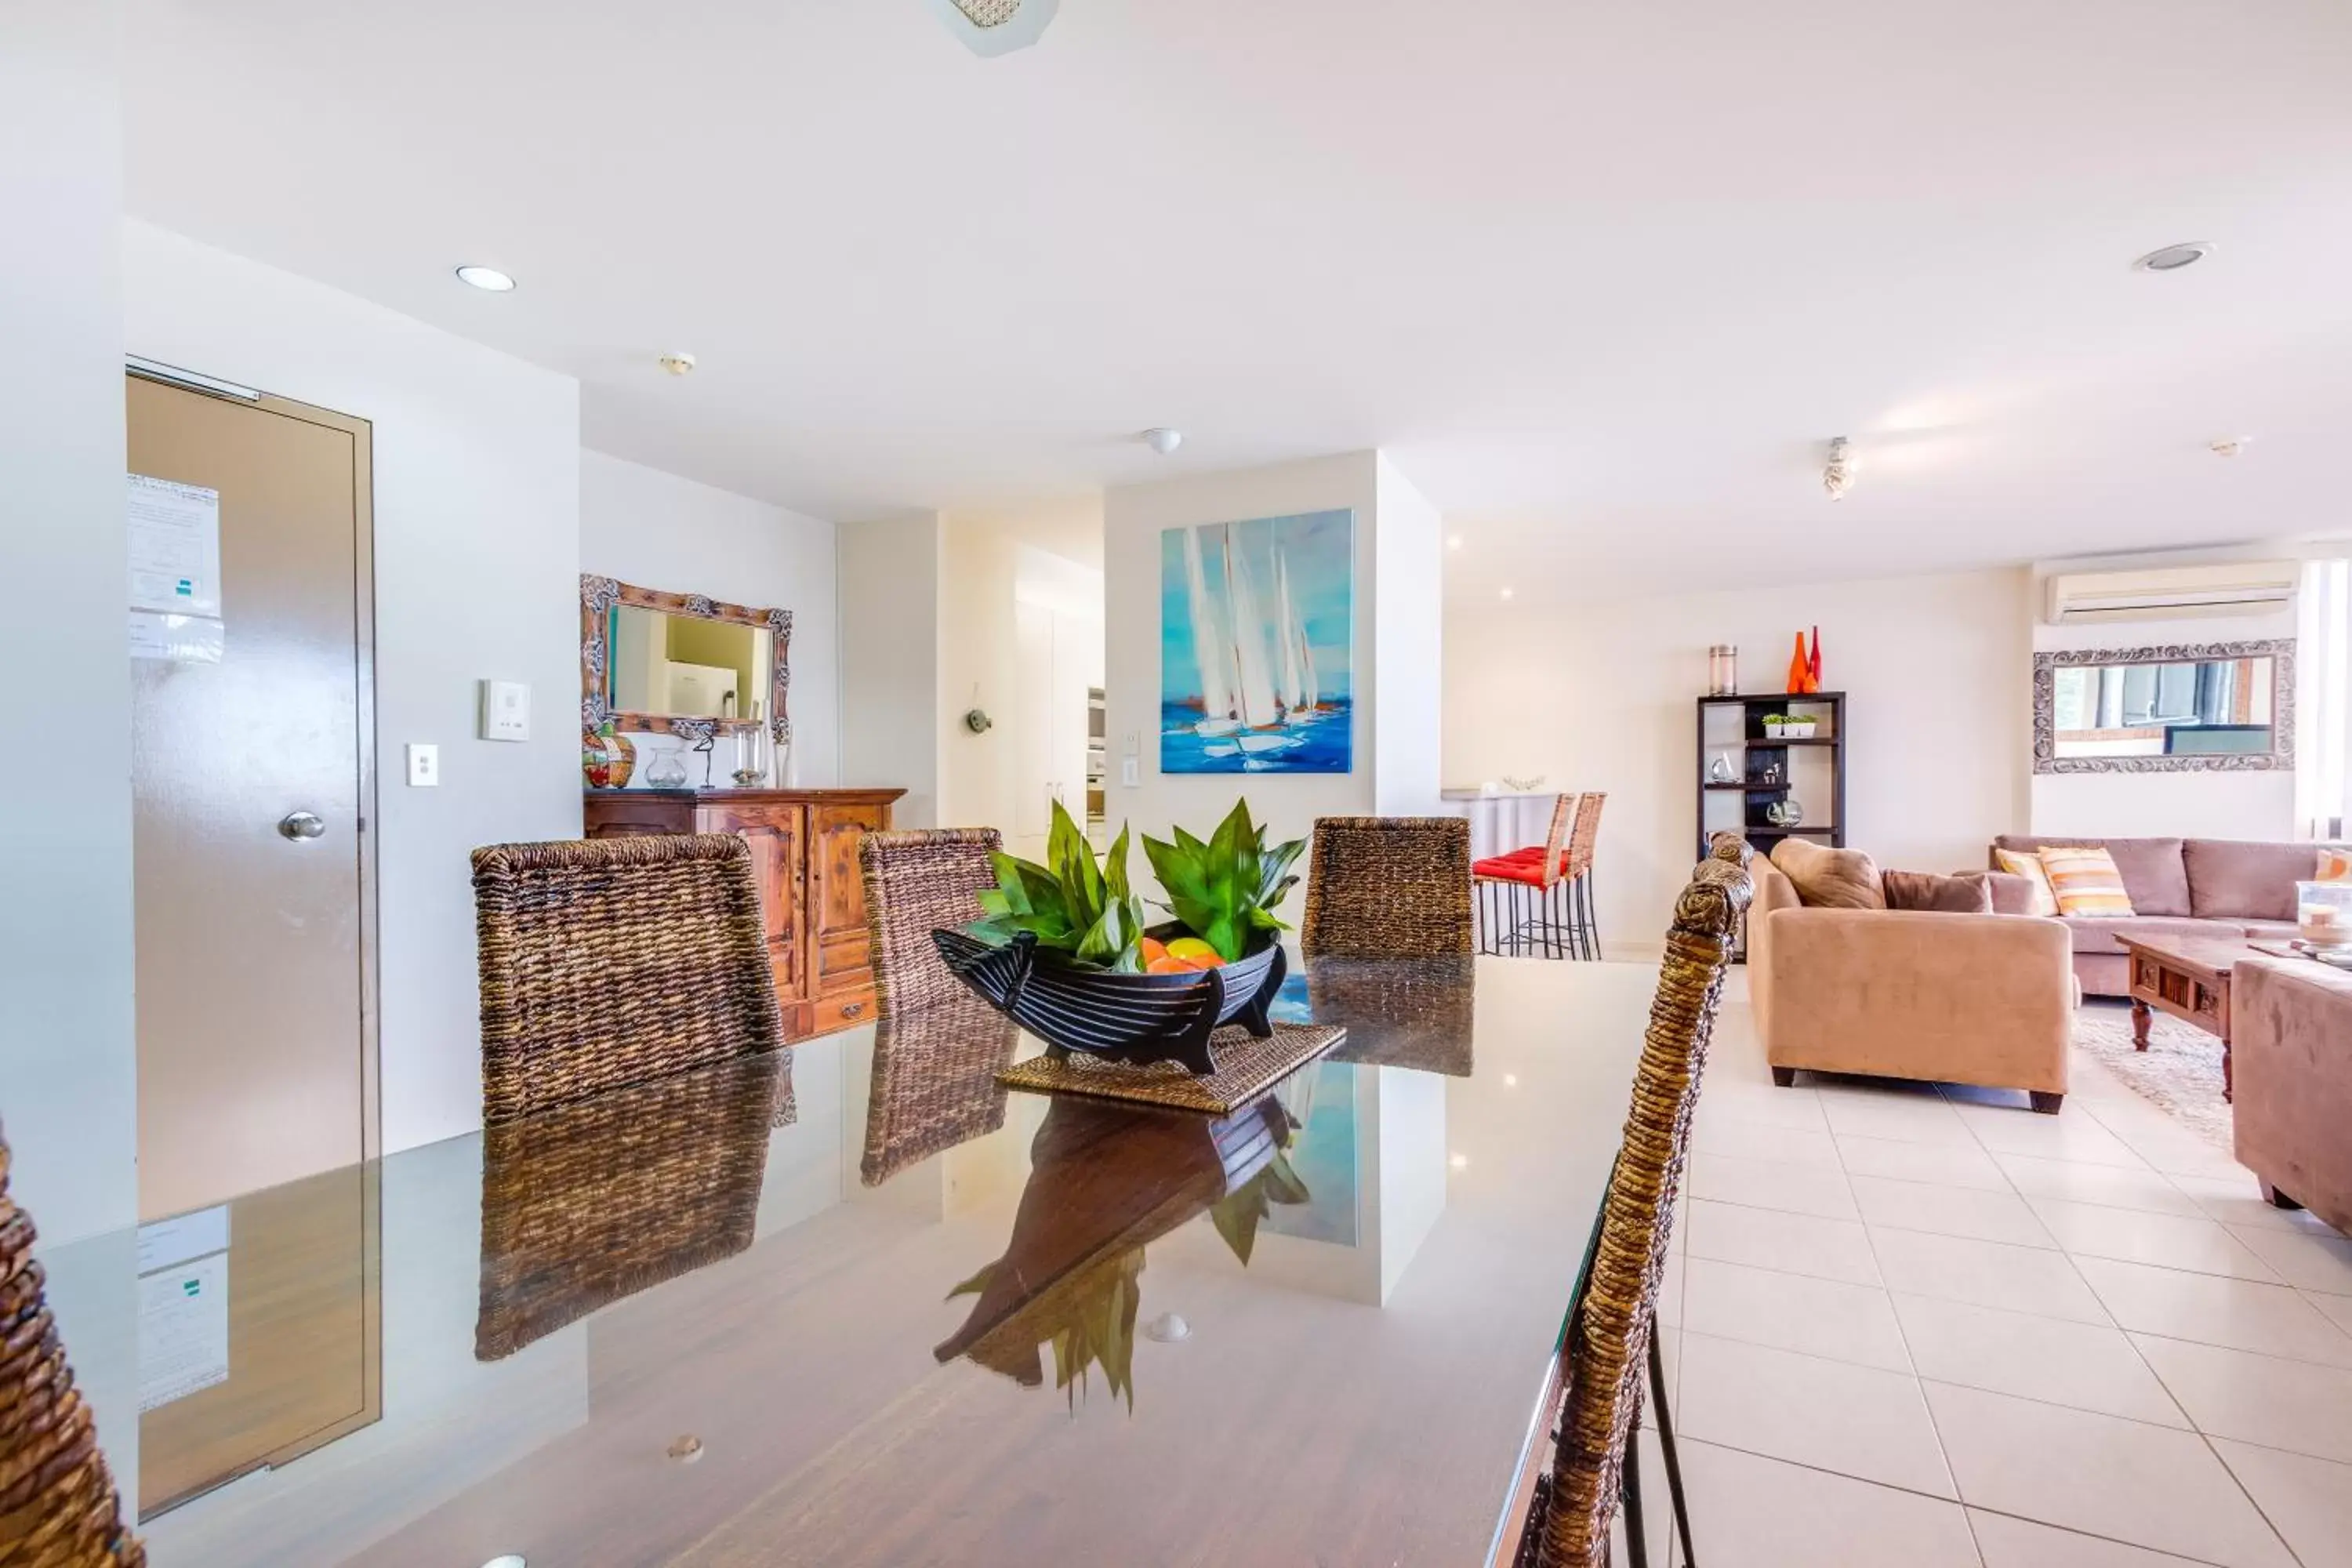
x: 489, y: 277
x: 677, y: 363
x: 2173, y: 257
x: 1453, y: 541
x: 511, y: 1560
x: 1459, y: 1162
x: 1161, y: 439
x: 1506, y: 592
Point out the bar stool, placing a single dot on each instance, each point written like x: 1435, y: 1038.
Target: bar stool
x: 1508, y: 885
x: 1555, y: 879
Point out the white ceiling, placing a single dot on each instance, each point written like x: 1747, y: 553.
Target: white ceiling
x: 1603, y: 278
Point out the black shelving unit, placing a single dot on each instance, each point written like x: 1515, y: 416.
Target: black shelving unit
x: 1767, y: 772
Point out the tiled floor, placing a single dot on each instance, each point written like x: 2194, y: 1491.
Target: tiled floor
x: 1914, y: 1326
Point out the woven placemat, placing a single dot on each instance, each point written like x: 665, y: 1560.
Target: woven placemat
x: 1246, y: 1068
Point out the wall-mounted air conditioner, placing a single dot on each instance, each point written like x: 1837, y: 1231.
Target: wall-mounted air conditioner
x: 2171, y: 593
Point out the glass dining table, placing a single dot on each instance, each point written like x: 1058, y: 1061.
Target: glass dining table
x: 857, y: 1303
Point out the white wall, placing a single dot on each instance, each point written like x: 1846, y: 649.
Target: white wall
x: 1604, y: 696
x: 2183, y: 805
x: 1134, y: 517
x: 1408, y: 647
x: 891, y: 718
x: 69, y: 1080
x: 476, y: 462
x: 658, y: 531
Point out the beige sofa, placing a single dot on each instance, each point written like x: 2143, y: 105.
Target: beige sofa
x: 2179, y: 886
x: 1948, y: 999
x: 2291, y: 1023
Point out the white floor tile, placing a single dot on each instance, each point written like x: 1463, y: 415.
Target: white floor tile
x: 2308, y: 1500
x: 1749, y: 1511
x: 2008, y: 1543
x: 2147, y: 1486
x: 2114, y: 1186
x: 1765, y: 1185
x: 2237, y: 1199
x: 1735, y: 1101
x: 1986, y: 1274
x: 2238, y: 1314
x: 2168, y: 1241
x: 1854, y: 1420
x: 1948, y: 1164
x: 1762, y: 1141
x: 1794, y: 1312
x: 2338, y: 1308
x: 1905, y: 1117
x: 2279, y: 1403
x: 2304, y: 1261
x: 2081, y: 1365
x: 1792, y: 1243
x: 1948, y: 1211
x: 2070, y: 1135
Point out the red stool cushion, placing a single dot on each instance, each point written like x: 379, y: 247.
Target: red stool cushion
x: 1511, y: 868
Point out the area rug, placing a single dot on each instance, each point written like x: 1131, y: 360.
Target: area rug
x: 2180, y: 1073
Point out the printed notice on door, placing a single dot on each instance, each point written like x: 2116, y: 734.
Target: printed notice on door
x: 174, y: 547
x: 182, y: 1307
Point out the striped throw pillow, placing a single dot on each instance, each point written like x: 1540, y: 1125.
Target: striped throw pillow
x: 2028, y: 866
x: 2085, y: 882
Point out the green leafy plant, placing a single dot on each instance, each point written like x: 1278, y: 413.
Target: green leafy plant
x: 1225, y: 889
x: 1089, y: 914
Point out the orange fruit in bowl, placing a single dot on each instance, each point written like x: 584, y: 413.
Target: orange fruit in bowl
x: 1166, y: 964
x: 1152, y: 948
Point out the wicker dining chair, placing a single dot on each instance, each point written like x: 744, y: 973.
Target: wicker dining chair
x: 1388, y: 887
x: 611, y: 962
x: 58, y: 1507
x: 1595, y: 1462
x: 915, y: 883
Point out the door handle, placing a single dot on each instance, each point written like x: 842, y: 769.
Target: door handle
x: 300, y: 825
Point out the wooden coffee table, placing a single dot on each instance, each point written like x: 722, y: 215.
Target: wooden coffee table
x: 2188, y: 978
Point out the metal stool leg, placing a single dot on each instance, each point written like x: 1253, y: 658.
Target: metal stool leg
x: 1666, y: 1446
x: 1637, y: 1546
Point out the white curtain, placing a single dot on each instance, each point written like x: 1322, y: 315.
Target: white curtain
x: 2322, y: 766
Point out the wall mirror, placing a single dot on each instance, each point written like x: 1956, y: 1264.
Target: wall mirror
x: 681, y: 664
x: 2179, y: 707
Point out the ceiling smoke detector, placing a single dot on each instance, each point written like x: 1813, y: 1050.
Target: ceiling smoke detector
x: 1837, y: 477
x: 1161, y: 439
x: 995, y: 27
x: 2228, y: 447
x: 2173, y: 257
x: 677, y: 364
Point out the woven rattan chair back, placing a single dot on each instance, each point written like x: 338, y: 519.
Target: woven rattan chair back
x: 1585, y: 837
x: 1563, y: 811
x: 612, y: 961
x: 58, y: 1508
x: 1609, y: 1333
x: 1388, y: 887
x: 915, y: 883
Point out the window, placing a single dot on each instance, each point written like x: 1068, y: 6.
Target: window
x: 2322, y: 770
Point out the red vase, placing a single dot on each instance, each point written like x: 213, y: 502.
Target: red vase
x: 1813, y: 666
x: 1798, y: 669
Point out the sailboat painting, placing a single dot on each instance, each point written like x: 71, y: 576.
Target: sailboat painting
x: 1258, y: 646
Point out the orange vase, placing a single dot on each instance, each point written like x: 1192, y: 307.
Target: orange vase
x: 1800, y: 668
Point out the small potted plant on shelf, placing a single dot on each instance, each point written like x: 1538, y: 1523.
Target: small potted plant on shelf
x: 1787, y: 727
x: 1062, y: 948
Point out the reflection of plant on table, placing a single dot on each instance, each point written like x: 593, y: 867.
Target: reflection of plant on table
x: 1237, y: 1213
x: 1097, y: 1323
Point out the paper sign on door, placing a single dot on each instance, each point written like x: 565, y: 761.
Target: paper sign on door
x: 175, y: 552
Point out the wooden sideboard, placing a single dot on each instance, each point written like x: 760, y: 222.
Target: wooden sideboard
x: 804, y: 854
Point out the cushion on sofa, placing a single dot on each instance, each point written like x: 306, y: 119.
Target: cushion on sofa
x: 1967, y: 895
x: 2154, y: 871
x: 2097, y: 933
x: 2025, y: 867
x: 2085, y: 882
x: 2234, y: 878
x: 1830, y: 879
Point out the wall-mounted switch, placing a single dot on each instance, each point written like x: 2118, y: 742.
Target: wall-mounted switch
x: 1132, y: 742
x: 424, y: 765
x: 506, y: 711
x: 1130, y: 772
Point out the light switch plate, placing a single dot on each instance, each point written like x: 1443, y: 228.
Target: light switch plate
x: 1130, y: 772
x: 506, y: 711
x: 1132, y: 742
x: 424, y: 765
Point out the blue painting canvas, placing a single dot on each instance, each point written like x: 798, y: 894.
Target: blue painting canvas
x: 1257, y: 626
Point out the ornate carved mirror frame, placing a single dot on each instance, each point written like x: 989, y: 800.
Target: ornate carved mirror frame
x: 598, y: 595
x: 2280, y: 651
